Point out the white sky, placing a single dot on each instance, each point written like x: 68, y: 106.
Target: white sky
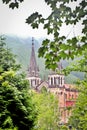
x: 13, y: 21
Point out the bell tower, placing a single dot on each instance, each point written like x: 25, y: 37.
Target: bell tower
x: 56, y: 79
x: 33, y: 70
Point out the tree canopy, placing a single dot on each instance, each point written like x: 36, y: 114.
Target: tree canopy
x: 17, y: 109
x: 47, y: 107
x: 79, y: 115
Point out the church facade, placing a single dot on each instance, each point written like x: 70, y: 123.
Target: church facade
x: 66, y: 93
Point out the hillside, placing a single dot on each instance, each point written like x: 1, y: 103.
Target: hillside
x: 21, y: 47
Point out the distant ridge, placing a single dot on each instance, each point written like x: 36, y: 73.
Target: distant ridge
x: 22, y: 48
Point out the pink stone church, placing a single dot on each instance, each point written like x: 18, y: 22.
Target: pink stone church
x: 66, y: 93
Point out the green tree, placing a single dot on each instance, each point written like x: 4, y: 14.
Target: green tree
x: 48, y: 114
x: 7, y: 59
x: 17, y: 110
x: 61, y: 13
x: 79, y: 115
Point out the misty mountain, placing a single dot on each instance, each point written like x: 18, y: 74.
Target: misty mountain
x: 21, y: 47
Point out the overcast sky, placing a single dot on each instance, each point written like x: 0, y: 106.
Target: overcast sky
x: 13, y: 21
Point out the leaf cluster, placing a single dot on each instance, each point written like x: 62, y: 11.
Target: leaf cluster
x: 62, y: 13
x: 16, y: 107
x: 17, y: 110
x: 7, y: 60
x: 12, y: 4
x: 61, y: 47
x: 79, y: 116
x: 47, y: 107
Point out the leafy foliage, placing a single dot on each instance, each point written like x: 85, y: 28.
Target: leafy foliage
x: 14, y: 4
x: 62, y: 13
x: 60, y: 47
x: 47, y: 107
x: 6, y: 57
x: 16, y: 108
x: 79, y: 117
x: 17, y: 111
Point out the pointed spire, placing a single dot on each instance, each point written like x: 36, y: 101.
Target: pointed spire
x: 32, y: 41
x: 33, y: 68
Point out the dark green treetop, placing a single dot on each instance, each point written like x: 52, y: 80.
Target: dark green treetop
x: 17, y: 110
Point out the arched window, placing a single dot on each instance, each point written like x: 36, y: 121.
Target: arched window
x: 35, y: 81
x: 55, y: 80
x: 51, y: 81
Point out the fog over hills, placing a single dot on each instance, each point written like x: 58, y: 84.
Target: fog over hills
x: 21, y: 47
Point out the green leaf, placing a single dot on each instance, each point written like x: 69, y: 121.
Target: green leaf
x: 6, y: 1
x: 64, y: 46
x: 32, y: 18
x: 45, y: 42
x: 16, y: 5
x: 34, y: 25
x: 12, y: 5
x: 21, y: 0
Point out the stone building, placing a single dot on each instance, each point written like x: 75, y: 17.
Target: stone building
x: 66, y: 93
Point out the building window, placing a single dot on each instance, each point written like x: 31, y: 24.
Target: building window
x: 55, y: 80
x: 51, y: 81
x: 35, y: 81
x: 59, y: 80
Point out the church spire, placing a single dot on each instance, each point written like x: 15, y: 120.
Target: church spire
x: 33, y: 68
x: 32, y: 41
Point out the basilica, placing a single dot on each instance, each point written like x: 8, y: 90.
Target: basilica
x: 66, y: 93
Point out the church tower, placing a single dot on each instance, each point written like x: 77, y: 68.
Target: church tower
x: 33, y: 70
x: 56, y: 79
